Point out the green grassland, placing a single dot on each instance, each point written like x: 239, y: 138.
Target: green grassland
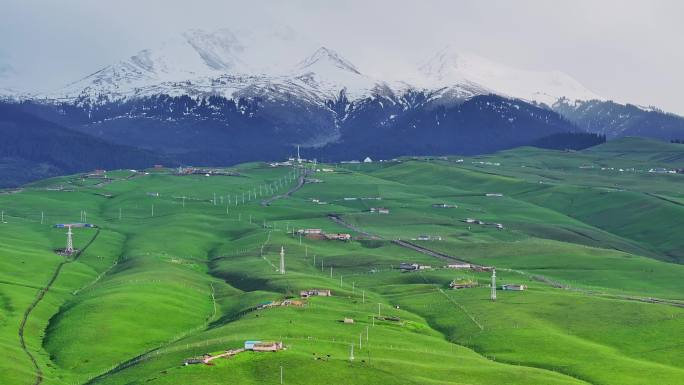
x: 179, y: 264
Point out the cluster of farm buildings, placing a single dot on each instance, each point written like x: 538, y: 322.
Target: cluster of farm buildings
x: 461, y: 283
x: 320, y: 234
x: 262, y: 346
x: 205, y: 171
x: 483, y: 223
x: 254, y: 346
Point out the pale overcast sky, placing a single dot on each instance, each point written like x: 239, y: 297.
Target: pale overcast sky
x: 625, y: 50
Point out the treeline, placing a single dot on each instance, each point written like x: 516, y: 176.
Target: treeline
x: 31, y: 147
x: 570, y: 141
x: 678, y: 141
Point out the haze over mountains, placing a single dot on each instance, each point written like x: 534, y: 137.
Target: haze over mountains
x: 222, y: 63
x: 224, y: 97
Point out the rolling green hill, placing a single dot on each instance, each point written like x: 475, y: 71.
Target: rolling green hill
x: 182, y: 266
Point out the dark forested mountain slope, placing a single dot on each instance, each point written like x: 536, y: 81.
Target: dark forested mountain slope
x: 32, y: 148
x: 618, y: 120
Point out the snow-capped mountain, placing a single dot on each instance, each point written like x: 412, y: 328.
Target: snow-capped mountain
x: 200, y: 63
x: 329, y: 73
x: 229, y: 96
x: 474, y: 74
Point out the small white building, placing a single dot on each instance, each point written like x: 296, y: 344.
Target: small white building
x: 379, y: 210
x: 315, y: 293
x: 514, y: 287
x: 368, y: 160
x: 310, y: 231
x: 458, y: 266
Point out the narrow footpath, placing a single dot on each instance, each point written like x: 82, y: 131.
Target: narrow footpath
x: 39, y: 297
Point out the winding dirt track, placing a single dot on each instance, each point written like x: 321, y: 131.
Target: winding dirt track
x: 36, y: 301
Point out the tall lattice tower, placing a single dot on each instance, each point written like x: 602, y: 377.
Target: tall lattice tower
x: 282, y: 260
x: 493, y: 297
x: 70, y: 242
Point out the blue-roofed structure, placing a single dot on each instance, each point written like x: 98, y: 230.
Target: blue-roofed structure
x: 249, y: 345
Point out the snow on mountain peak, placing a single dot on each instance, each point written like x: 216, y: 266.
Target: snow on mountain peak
x: 330, y: 73
x: 229, y: 63
x: 220, y: 50
x: 452, y: 68
x: 326, y: 57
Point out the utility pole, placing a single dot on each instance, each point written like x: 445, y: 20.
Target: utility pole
x: 379, y: 304
x: 119, y: 213
x: 360, y: 337
x: 152, y: 210
x: 493, y: 296
x: 42, y: 217
x: 282, y: 260
x: 70, y: 242
x: 351, y: 353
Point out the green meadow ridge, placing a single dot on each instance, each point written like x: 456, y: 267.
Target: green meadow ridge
x: 181, y: 266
